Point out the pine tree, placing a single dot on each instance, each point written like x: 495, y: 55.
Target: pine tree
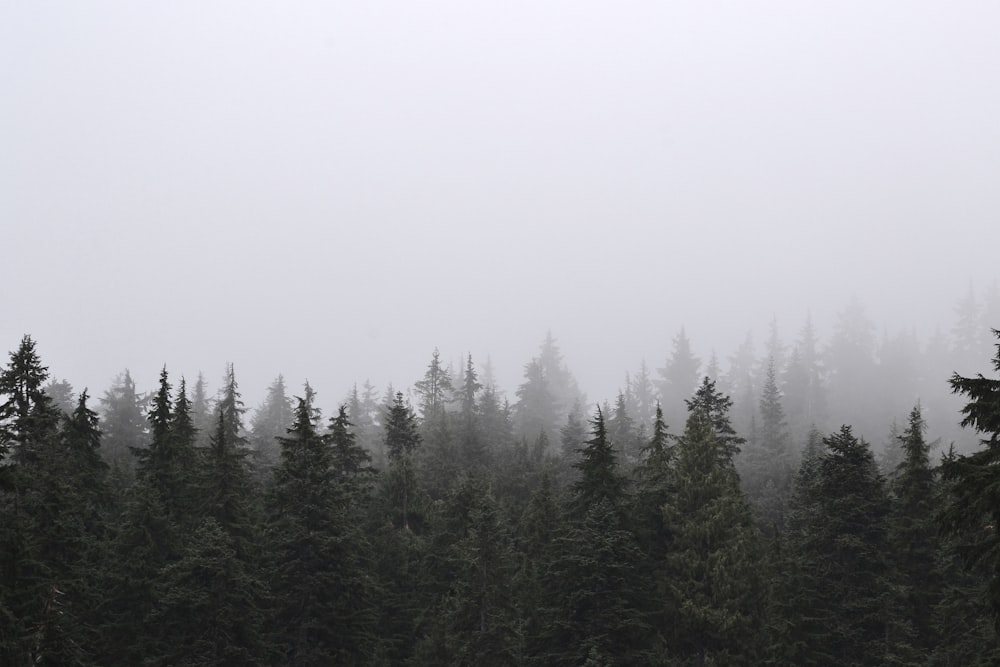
x: 321, y: 590
x: 471, y: 447
x: 710, y: 573
x: 715, y: 406
x: 226, y: 489
x: 913, y: 548
x: 535, y: 411
x: 208, y: 609
x: 124, y: 421
x: 678, y: 378
x: 599, y: 477
x: 401, y: 442
x: 269, y: 422
x: 654, y: 487
x: 765, y: 465
x: 623, y: 433
x: 973, y: 512
x: 840, y: 547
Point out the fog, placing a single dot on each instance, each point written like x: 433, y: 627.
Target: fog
x: 332, y: 190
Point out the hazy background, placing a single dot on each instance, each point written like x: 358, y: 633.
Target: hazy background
x: 330, y: 190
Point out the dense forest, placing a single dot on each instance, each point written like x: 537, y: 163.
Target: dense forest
x: 814, y: 503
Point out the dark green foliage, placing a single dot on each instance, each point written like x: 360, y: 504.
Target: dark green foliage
x: 973, y: 513
x: 714, y: 406
x: 594, y: 594
x: 600, y: 479
x: 838, y: 547
x: 401, y: 442
x: 710, y: 573
x: 914, y: 549
x: 323, y: 611
x: 208, y: 609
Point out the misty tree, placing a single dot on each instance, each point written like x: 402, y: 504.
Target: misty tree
x: 852, y: 368
x: 363, y: 411
x: 804, y: 385
x: 678, y: 378
x: 640, y: 398
x: 967, y: 333
x: 472, y: 451
x: 740, y: 382
x: 623, y: 432
x: 61, y: 393
x: 561, y: 383
x: 434, y: 390
x: 269, y: 422
x: 765, y: 465
x: 401, y: 442
x: 123, y: 421
x: 202, y: 409
x: 535, y: 411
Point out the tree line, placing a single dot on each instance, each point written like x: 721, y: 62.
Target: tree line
x: 459, y: 529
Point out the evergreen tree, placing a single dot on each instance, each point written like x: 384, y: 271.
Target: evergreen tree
x: 401, y: 442
x: 973, y: 512
x: 765, y: 465
x: 913, y: 549
x: 595, y: 595
x: 363, y: 412
x: 269, y: 422
x: 654, y: 488
x: 471, y: 450
x: 678, y: 378
x: 710, y: 573
x: 715, y: 405
x: 124, y: 421
x: 434, y: 390
x: 536, y: 411
x: 226, y: 488
x: 321, y: 589
x: 209, y: 605
x: 202, y: 410
x: 840, y: 548
x: 623, y: 432
x: 803, y: 385
x: 599, y: 477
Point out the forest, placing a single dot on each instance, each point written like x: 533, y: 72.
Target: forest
x: 816, y: 503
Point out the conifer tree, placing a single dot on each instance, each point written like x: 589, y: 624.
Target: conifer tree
x: 401, y: 442
x: 973, y: 512
x: 678, y: 378
x: 710, y: 573
x: 123, y: 421
x: 913, y: 549
x: 269, y: 422
x: 840, y: 546
x: 715, y: 407
x: 599, y: 477
x: 321, y: 589
x: 226, y: 490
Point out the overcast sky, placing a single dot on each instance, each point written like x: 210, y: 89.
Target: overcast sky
x: 332, y: 189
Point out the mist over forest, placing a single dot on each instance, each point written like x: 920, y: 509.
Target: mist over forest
x: 524, y: 333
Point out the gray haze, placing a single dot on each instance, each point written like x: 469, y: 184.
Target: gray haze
x: 332, y: 189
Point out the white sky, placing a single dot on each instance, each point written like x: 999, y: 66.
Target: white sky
x: 332, y: 189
